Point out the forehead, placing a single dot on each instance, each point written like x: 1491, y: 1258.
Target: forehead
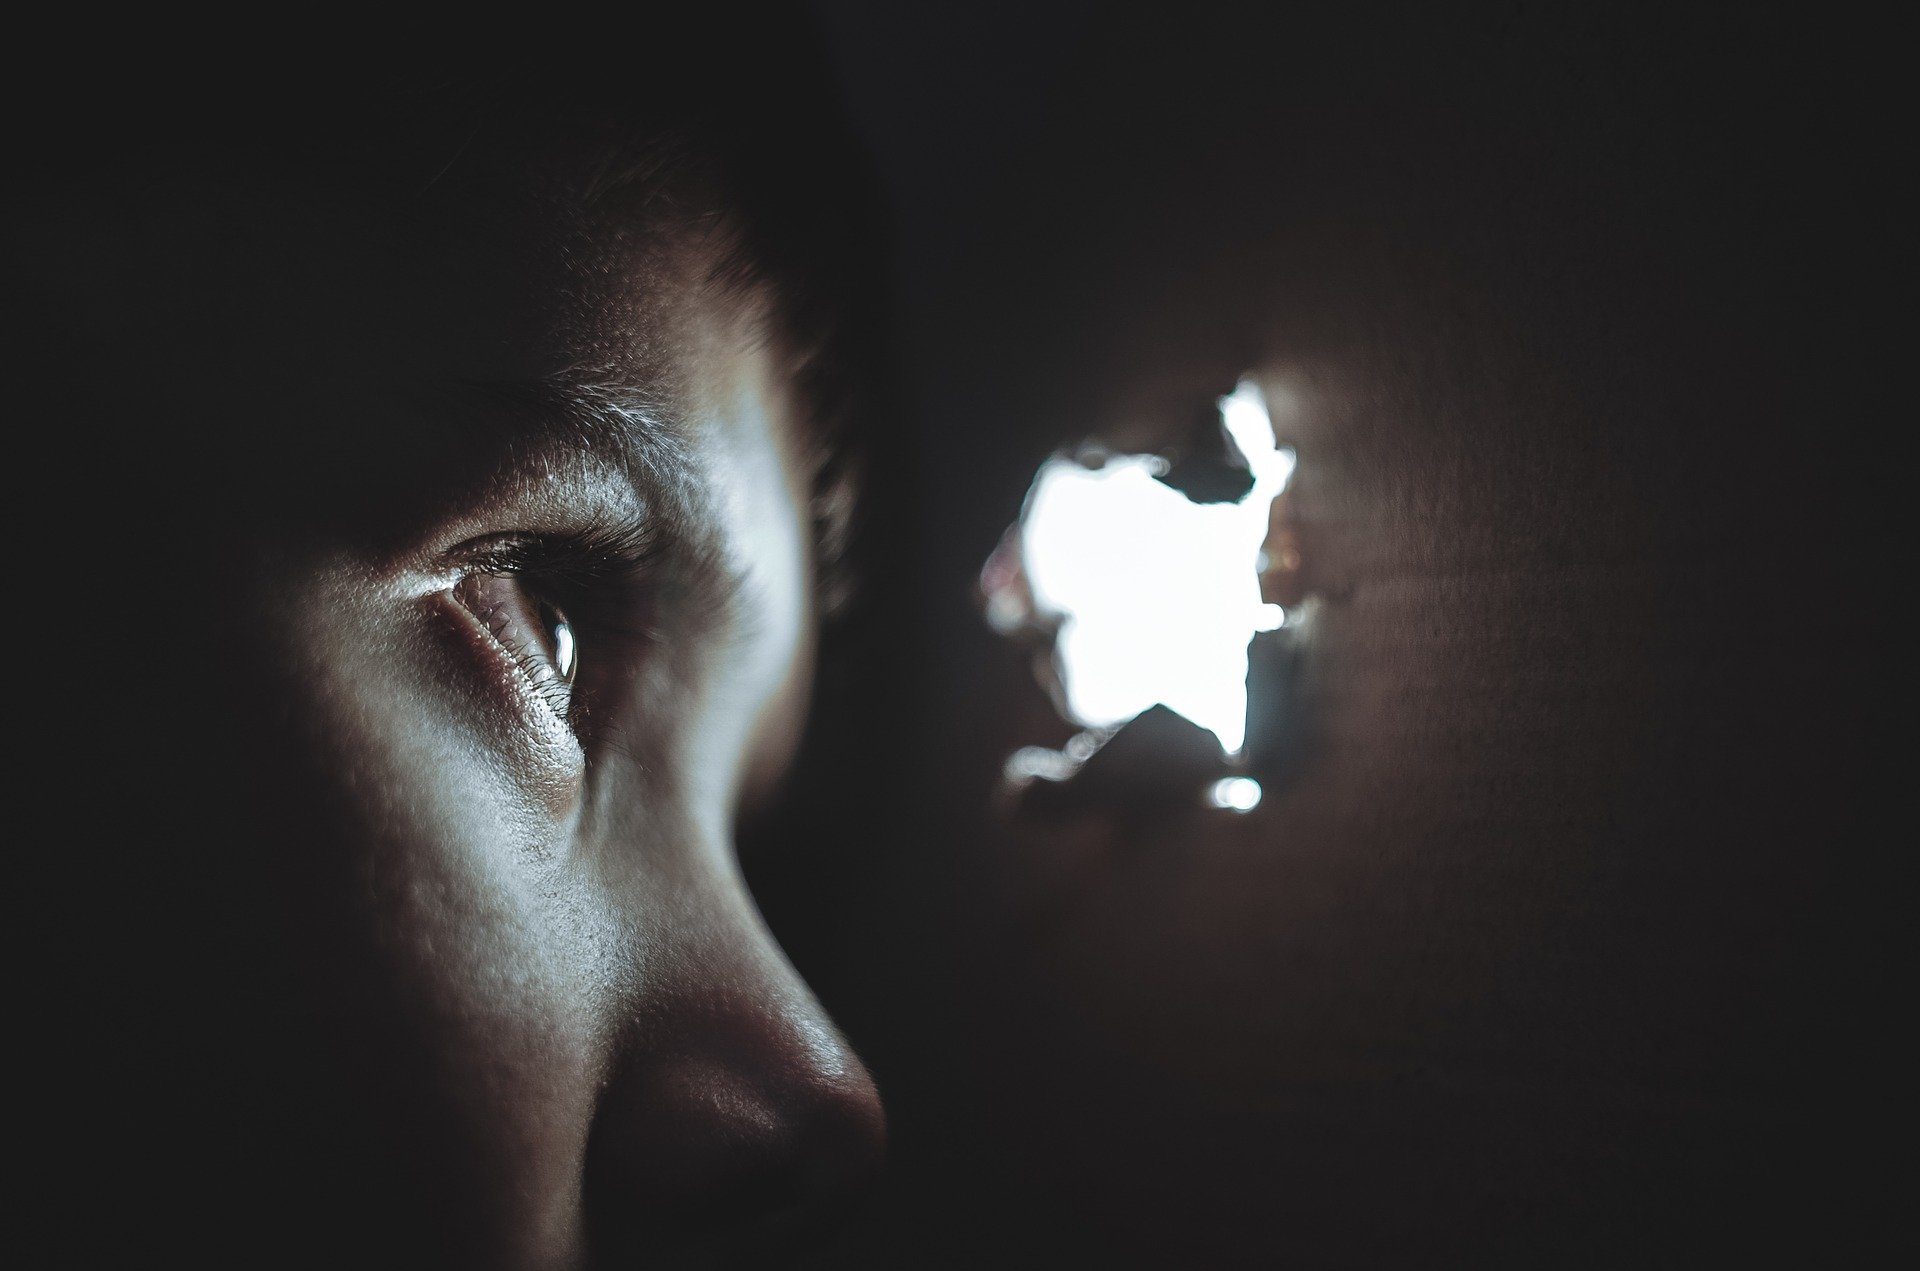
x: 511, y: 260
x: 359, y: 327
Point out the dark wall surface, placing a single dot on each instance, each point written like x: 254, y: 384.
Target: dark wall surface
x: 1534, y: 956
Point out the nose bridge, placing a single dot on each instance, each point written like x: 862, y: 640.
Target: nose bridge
x: 736, y: 1112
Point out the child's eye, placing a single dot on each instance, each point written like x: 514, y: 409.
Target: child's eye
x: 542, y: 596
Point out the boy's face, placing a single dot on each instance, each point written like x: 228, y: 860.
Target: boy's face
x: 524, y: 576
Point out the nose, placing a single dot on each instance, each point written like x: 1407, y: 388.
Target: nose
x: 737, y: 1127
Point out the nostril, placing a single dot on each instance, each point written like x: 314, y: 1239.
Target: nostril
x: 849, y: 1140
x: 760, y: 1151
x: 776, y: 1207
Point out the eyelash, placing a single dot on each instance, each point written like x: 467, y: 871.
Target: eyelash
x: 579, y: 559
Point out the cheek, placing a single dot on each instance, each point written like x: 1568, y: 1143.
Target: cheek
x: 441, y: 911
x: 449, y: 759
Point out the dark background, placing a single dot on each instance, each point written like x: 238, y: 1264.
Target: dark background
x: 1634, y: 1037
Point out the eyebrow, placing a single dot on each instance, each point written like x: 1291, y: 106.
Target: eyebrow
x: 620, y: 422
x: 526, y: 424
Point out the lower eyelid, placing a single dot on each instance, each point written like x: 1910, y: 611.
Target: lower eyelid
x: 532, y: 674
x: 498, y: 710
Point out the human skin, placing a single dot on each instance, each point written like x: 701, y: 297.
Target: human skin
x: 462, y: 969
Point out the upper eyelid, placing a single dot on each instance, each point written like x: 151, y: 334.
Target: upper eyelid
x: 709, y: 594
x: 576, y: 458
x: 591, y: 549
x: 542, y: 457
x: 534, y: 502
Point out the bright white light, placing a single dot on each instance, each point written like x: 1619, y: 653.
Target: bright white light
x: 1037, y: 762
x: 1158, y: 596
x: 1080, y: 746
x: 1237, y: 794
x: 1005, y: 613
